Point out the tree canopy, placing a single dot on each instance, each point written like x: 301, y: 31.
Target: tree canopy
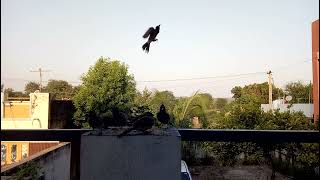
x: 261, y: 91
x: 300, y: 92
x: 59, y: 89
x: 31, y: 87
x: 107, y: 84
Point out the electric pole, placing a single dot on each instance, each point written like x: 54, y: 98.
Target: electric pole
x: 40, y: 71
x: 310, y: 89
x: 270, y: 89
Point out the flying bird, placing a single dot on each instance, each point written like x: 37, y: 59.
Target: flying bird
x: 152, y: 34
x: 143, y: 123
x: 163, y: 116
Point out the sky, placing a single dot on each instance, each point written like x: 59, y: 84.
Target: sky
x: 205, y: 38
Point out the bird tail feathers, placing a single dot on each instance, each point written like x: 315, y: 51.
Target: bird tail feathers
x: 125, y: 132
x: 146, y: 46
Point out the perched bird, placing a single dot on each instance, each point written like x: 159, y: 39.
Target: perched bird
x: 120, y: 118
x: 163, y: 116
x: 143, y: 123
x: 95, y: 121
x: 152, y: 34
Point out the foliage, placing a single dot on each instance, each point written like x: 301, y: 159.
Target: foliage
x: 162, y: 97
x: 31, y: 87
x: 9, y: 92
x: 260, y: 91
x: 59, y: 89
x: 300, y: 93
x: 107, y: 84
x: 29, y: 170
x: 198, y: 105
x: 143, y: 98
x: 284, y: 121
x: 220, y: 103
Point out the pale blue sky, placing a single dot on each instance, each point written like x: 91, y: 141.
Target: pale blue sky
x: 197, y: 39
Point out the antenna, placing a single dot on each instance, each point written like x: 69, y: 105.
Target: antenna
x: 40, y: 72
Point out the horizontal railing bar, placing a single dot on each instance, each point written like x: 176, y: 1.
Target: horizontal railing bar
x: 245, y: 135
x: 217, y: 135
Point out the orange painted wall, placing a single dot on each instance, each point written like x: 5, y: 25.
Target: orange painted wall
x: 17, y: 110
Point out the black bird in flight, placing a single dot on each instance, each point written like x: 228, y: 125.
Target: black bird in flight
x: 163, y: 116
x: 143, y: 123
x: 152, y: 34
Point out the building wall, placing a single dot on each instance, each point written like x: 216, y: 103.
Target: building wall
x: 315, y: 67
x: 54, y: 163
x: 33, y: 114
x: 16, y: 109
x: 35, y: 147
x: 9, y: 154
x: 307, y: 109
x: 61, y: 114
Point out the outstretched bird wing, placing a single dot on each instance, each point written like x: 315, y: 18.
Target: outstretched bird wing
x: 148, y: 32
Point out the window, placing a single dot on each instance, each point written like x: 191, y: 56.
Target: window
x: 13, y: 152
x: 3, y: 152
x: 24, y: 151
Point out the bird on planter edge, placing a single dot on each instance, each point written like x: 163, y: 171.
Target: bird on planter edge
x: 143, y: 123
x: 163, y: 116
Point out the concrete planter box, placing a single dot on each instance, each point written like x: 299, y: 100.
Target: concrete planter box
x: 135, y: 157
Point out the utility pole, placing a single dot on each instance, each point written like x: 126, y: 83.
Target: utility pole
x: 40, y: 71
x: 310, y: 89
x: 270, y: 89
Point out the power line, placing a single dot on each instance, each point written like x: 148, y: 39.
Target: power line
x: 168, y: 80
x: 171, y: 80
x: 201, y: 78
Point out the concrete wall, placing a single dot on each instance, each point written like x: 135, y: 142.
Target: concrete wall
x: 307, y: 109
x: 139, y: 157
x: 54, y: 163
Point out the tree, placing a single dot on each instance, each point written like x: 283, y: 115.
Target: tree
x: 220, y: 103
x: 107, y: 84
x: 261, y: 91
x: 2, y: 87
x: 199, y: 105
x: 143, y: 98
x: 243, y: 113
x: 59, y: 89
x: 9, y: 92
x: 75, y: 90
x: 31, y: 87
x: 236, y: 91
x: 162, y: 97
x: 300, y: 93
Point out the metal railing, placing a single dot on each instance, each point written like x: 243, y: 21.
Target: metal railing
x: 216, y: 135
